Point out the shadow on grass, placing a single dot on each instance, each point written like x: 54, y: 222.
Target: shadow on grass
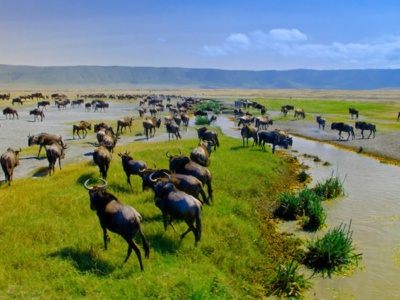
x: 41, y: 172
x: 85, y: 261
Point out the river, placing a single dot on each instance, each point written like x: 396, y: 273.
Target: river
x: 371, y: 205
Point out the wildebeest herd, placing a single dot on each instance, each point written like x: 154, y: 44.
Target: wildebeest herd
x: 179, y: 192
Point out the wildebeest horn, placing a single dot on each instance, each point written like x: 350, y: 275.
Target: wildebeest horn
x: 90, y: 188
x: 169, y: 177
x: 169, y: 156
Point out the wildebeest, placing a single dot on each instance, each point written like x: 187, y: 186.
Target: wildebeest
x: 366, y: 126
x: 299, y: 113
x: 81, y: 126
x: 321, y: 122
x: 353, y: 112
x: 101, y: 106
x: 103, y: 126
x: 186, y: 183
x: 102, y: 158
x: 263, y: 122
x: 43, y: 139
x: 173, y: 129
x: 150, y: 124
x: 142, y: 111
x: 247, y: 132
x: 108, y: 140
x: 201, y: 154
x: 208, y: 135
x: 286, y: 108
x: 123, y: 123
x: 343, y: 127
x: 213, y: 118
x: 246, y: 119
x: 54, y: 152
x: 131, y: 166
x: 179, y: 205
x: 9, y: 160
x: 17, y: 100
x: 43, y: 104
x: 185, y: 121
x: 118, y: 218
x: 36, y: 113
x: 201, y: 113
x: 275, y: 138
x: 181, y: 164
x: 10, y: 111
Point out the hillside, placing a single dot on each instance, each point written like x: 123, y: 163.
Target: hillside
x: 31, y: 77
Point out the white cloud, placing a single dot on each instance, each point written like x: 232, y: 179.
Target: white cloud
x: 293, y: 44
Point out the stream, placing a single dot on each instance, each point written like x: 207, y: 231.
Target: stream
x: 370, y: 204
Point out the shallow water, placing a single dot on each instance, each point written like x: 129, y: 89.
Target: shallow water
x: 371, y: 204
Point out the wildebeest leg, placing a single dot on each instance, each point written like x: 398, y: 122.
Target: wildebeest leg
x: 134, y: 246
x: 40, y: 148
x: 209, y: 189
x: 362, y: 133
x: 59, y: 163
x: 106, y: 237
x: 128, y: 179
x: 203, y: 195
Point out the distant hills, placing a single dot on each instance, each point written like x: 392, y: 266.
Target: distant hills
x: 114, y: 77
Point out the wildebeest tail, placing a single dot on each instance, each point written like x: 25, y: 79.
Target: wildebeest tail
x: 198, y: 224
x: 145, y: 243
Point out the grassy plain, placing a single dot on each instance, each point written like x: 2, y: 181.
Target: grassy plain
x: 52, y: 242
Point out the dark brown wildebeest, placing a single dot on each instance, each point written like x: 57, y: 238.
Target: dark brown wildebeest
x: 150, y: 124
x: 10, y: 111
x: 9, y: 160
x: 366, y: 126
x: 43, y: 104
x: 212, y: 119
x: 81, y: 126
x: 43, y: 139
x: 5, y: 96
x: 108, y: 140
x: 123, y: 123
x: 247, y: 132
x: 321, y: 122
x: 274, y: 138
x: 185, y: 121
x: 101, y: 106
x: 343, y: 127
x: 118, y: 218
x: 181, y: 164
x: 208, y: 135
x: 131, y: 166
x: 36, y: 113
x: 263, y: 122
x: 180, y: 206
x: 201, y: 154
x: 286, y: 108
x: 353, y: 112
x: 17, y: 100
x: 102, y: 158
x: 62, y: 103
x: 142, y: 111
x: 54, y: 152
x: 173, y: 129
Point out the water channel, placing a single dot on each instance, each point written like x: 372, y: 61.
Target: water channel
x: 371, y: 204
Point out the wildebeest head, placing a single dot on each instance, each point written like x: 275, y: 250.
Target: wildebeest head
x: 177, y: 162
x: 97, y: 194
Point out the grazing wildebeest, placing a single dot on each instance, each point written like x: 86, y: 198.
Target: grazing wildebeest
x: 321, y: 122
x: 353, y: 112
x: 208, y: 135
x: 118, y: 218
x: 178, y: 205
x: 43, y: 139
x: 343, y: 127
x: 81, y: 126
x: 17, y: 100
x: 131, y: 166
x: 201, y: 154
x: 275, y: 138
x: 123, y: 123
x: 263, y: 122
x: 299, y: 113
x: 54, y: 152
x: 181, y: 164
x: 43, y: 104
x: 286, y: 108
x: 247, y: 132
x: 36, y: 113
x: 10, y: 111
x: 150, y: 124
x: 9, y: 160
x: 102, y: 158
x: 173, y: 129
x: 366, y: 126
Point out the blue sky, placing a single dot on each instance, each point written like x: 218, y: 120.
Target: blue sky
x: 230, y: 35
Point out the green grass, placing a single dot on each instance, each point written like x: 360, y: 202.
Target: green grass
x: 334, y: 253
x: 52, y: 247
